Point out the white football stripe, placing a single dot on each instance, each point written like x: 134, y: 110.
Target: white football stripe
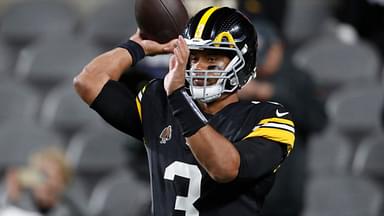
x: 282, y: 126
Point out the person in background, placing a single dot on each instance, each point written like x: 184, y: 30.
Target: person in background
x: 366, y: 16
x: 272, y: 10
x: 38, y: 187
x: 280, y: 81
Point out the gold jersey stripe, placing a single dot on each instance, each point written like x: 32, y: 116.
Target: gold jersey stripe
x: 274, y: 134
x: 138, y: 101
x: 203, y: 22
x: 278, y: 120
x: 138, y: 105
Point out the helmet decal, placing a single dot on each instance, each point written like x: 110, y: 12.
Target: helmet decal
x: 219, y: 38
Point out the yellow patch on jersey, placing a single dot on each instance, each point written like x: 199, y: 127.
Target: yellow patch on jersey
x: 275, y: 129
x: 138, y: 105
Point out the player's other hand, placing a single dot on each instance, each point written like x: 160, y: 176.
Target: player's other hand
x: 177, y: 64
x: 152, y: 47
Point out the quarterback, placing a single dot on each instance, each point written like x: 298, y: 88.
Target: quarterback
x: 209, y: 153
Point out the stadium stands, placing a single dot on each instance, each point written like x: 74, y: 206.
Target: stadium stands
x: 111, y: 23
x: 305, y: 19
x: 45, y: 43
x: 17, y: 100
x: 343, y: 196
x: 369, y: 158
x: 329, y: 154
x: 18, y: 139
x: 53, y: 59
x: 110, y: 196
x: 64, y: 111
x: 98, y: 150
x: 334, y: 62
x: 6, y: 59
x: 355, y: 109
x: 26, y: 21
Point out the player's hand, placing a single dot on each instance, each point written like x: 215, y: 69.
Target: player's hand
x: 152, y: 47
x: 177, y: 64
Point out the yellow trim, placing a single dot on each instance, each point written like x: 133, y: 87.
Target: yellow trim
x: 138, y: 104
x: 274, y: 134
x: 278, y: 120
x: 203, y: 21
x: 219, y: 38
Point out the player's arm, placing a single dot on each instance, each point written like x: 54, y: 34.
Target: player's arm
x: 112, y: 64
x: 219, y: 157
x: 259, y: 153
x: 213, y: 151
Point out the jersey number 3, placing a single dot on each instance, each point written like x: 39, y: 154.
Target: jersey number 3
x: 192, y: 173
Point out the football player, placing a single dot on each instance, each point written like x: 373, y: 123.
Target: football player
x: 209, y: 153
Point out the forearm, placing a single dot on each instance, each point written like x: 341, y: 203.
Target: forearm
x: 215, y: 153
x: 107, y: 66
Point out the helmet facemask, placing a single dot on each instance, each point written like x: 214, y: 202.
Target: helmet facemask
x: 226, y: 77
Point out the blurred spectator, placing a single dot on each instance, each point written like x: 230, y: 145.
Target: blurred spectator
x: 272, y: 10
x: 367, y: 16
x: 278, y: 80
x: 38, y: 188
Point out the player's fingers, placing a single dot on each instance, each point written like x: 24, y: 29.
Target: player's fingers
x: 181, y: 58
x: 168, y: 47
x: 178, y: 55
x: 172, y: 62
x: 183, y: 48
x: 182, y: 42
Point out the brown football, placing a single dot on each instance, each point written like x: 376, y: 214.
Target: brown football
x: 160, y: 20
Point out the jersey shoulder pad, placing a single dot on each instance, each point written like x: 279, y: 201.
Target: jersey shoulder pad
x: 273, y: 122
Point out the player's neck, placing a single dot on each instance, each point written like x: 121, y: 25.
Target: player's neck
x: 216, y: 106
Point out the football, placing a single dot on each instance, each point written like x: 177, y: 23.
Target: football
x: 160, y: 20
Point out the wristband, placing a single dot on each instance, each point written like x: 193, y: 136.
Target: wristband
x: 186, y: 112
x: 135, y: 50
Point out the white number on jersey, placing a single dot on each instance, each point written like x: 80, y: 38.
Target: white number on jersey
x: 192, y: 173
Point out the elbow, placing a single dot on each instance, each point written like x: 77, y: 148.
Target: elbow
x: 83, y: 84
x: 80, y: 82
x: 226, y: 173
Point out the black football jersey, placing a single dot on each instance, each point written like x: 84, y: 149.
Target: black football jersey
x: 180, y: 186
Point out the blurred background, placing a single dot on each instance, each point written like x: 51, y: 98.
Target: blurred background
x: 321, y: 59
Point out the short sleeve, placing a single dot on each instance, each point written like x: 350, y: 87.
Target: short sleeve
x: 120, y: 108
x: 259, y: 157
x: 276, y: 125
